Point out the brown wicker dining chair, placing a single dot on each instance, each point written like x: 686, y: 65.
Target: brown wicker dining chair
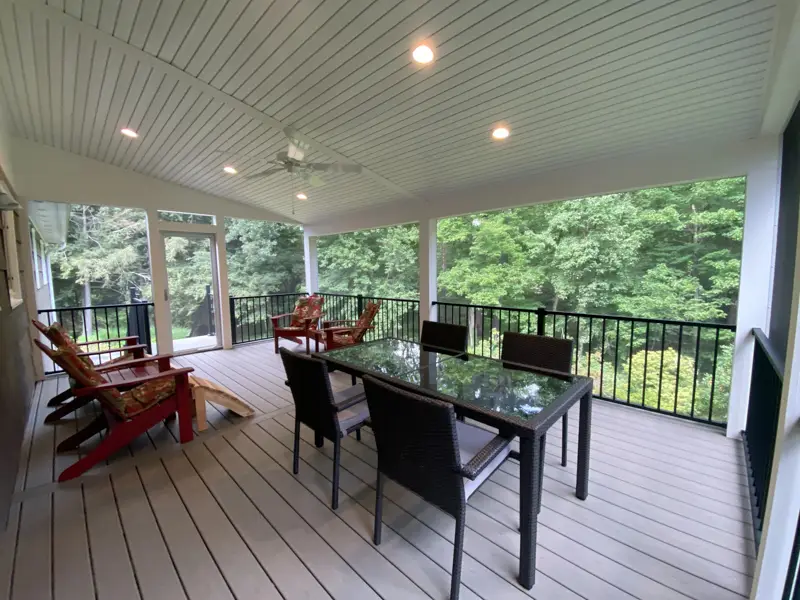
x: 542, y: 352
x: 445, y: 336
x: 331, y: 415
x: 422, y: 447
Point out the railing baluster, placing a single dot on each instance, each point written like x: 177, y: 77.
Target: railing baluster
x: 713, y: 377
x: 646, y: 353
x: 696, y: 366
x: 678, y: 370
x: 589, y: 353
x: 630, y: 365
x: 661, y: 370
x: 616, y: 362
x: 602, y: 356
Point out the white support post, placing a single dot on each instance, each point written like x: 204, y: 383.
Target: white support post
x: 311, y: 263
x: 783, y: 506
x: 427, y: 270
x: 755, y: 288
x: 158, y: 272
x: 223, y: 293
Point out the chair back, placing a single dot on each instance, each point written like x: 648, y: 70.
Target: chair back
x: 311, y: 391
x: 365, y: 321
x: 417, y: 443
x: 83, y: 374
x: 315, y: 302
x: 537, y: 351
x: 445, y: 335
x: 300, y: 311
x: 59, y: 337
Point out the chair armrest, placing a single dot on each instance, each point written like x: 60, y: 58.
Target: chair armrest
x: 162, y: 359
x: 110, y: 350
x: 486, y: 455
x: 88, y: 391
x: 119, y: 339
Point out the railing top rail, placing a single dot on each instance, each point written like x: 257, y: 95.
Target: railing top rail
x: 769, y: 349
x: 66, y: 308
x: 369, y: 297
x: 721, y: 326
x: 268, y: 295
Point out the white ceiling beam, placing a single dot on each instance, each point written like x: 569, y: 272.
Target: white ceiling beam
x: 56, y: 16
x: 783, y: 87
x: 678, y: 164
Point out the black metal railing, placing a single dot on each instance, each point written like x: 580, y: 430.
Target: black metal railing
x: 397, y: 317
x: 791, y: 590
x: 96, y: 324
x: 761, y: 430
x: 250, y: 315
x: 681, y: 368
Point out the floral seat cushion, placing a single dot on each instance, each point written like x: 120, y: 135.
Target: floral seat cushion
x: 62, y: 340
x: 343, y: 339
x: 125, y: 404
x: 307, y: 312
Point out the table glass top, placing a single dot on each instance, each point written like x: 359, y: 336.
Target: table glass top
x: 388, y: 357
x: 491, y: 385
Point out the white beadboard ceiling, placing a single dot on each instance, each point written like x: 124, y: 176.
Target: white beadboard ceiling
x: 209, y: 83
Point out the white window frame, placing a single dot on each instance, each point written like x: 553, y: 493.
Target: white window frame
x: 43, y: 261
x: 35, y: 259
x: 12, y: 258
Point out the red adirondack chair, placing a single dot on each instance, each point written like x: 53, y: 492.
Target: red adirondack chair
x: 130, y: 408
x: 304, y: 321
x: 337, y: 334
x: 128, y: 346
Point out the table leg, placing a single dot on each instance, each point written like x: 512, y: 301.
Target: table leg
x: 542, y: 450
x: 584, y: 442
x: 318, y: 440
x: 529, y: 468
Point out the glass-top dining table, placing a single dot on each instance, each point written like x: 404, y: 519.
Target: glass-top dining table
x: 516, y: 399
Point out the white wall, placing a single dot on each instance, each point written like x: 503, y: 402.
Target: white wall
x: 45, y: 173
x: 680, y: 164
x: 5, y: 148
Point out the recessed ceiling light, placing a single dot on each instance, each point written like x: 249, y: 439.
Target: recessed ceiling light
x: 129, y: 132
x: 500, y: 133
x: 422, y: 54
x: 230, y: 170
x: 302, y: 196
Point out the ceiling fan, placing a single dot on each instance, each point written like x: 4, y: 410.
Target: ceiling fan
x: 291, y: 161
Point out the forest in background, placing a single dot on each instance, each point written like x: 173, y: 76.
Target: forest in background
x: 665, y: 253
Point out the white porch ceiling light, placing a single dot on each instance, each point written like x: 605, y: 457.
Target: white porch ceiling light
x: 128, y: 132
x: 230, y: 170
x: 422, y: 54
x: 500, y: 133
x: 301, y: 196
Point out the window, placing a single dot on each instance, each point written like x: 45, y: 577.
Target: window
x: 43, y: 261
x: 35, y: 259
x: 10, y: 252
x: 182, y: 217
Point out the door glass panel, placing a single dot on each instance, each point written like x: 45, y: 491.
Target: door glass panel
x: 191, y: 285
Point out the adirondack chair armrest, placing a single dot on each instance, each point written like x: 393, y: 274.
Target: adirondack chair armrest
x: 331, y: 324
x: 162, y: 359
x: 128, y: 338
x: 276, y: 318
x: 125, y: 348
x: 89, y: 391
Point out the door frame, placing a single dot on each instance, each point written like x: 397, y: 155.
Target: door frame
x: 162, y: 297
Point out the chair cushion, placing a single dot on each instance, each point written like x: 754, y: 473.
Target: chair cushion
x: 142, y: 397
x: 349, y: 394
x: 62, y: 340
x: 83, y: 373
x: 471, y: 440
x: 353, y: 416
x: 343, y: 339
x: 299, y: 313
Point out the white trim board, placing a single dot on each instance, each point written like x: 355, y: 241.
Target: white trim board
x: 677, y: 165
x: 45, y: 173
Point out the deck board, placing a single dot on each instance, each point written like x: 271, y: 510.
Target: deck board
x: 224, y: 517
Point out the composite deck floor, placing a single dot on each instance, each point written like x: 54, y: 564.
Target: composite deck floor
x: 223, y: 517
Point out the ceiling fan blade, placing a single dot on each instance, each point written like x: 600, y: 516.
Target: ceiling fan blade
x: 335, y: 167
x: 266, y: 173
